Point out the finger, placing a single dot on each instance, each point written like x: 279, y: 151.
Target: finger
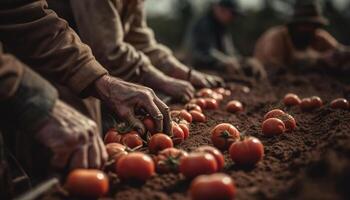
x: 80, y: 158
x: 165, y: 110
x: 103, y: 151
x: 94, y: 154
x: 135, y: 123
x: 60, y: 160
x: 152, y: 109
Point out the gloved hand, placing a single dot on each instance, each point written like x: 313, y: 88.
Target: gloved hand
x: 253, y: 68
x: 202, y: 80
x: 176, y: 88
x: 72, y: 137
x: 126, y: 99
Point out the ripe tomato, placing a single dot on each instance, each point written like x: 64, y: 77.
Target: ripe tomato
x: 291, y: 99
x: 192, y: 106
x: 178, y: 134
x: 159, y: 142
x: 197, y: 164
x: 205, y: 92
x: 112, y: 136
x: 197, y: 116
x: 220, y: 161
x: 168, y: 160
x: 218, y: 97
x: 149, y: 124
x: 234, y: 106
x: 316, y: 102
x: 132, y: 140
x: 116, y: 151
x: 306, y: 104
x: 247, y: 152
x: 273, y: 126
x: 215, y: 186
x: 223, y: 135
x: 211, y: 104
x: 185, y: 129
x: 275, y: 113
x: 181, y: 114
x: 340, y: 103
x: 200, y: 102
x: 223, y: 91
x: 87, y: 183
x: 135, y: 167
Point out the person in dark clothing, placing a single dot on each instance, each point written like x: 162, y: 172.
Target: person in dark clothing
x: 211, y: 45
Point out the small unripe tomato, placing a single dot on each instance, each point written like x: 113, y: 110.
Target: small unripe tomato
x: 211, y: 104
x: 132, y: 140
x: 247, y: 152
x: 88, y: 183
x: 291, y: 99
x: 197, y: 164
x: 112, y: 136
x: 223, y: 135
x: 159, y: 142
x: 273, y: 126
x: 197, y: 116
x: 215, y: 186
x: 135, y: 166
x: 340, y: 103
x: 215, y: 152
x: 168, y: 160
x: 275, y: 113
x: 192, y: 106
x: 234, y: 106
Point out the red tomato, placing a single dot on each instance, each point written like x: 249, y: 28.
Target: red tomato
x: 234, y: 106
x: 340, y: 103
x: 205, y: 92
x: 149, y: 124
x: 178, y: 134
x: 291, y: 99
x: 191, y: 106
x: 316, y: 102
x: 275, y: 113
x: 197, y: 116
x: 273, y: 126
x: 159, y: 142
x: 247, y: 152
x: 112, y: 136
x: 185, y: 129
x: 223, y: 91
x: 306, y: 104
x: 88, y: 183
x: 135, y: 167
x: 288, y: 121
x: 223, y: 135
x: 132, y: 140
x: 220, y: 161
x: 168, y: 160
x: 211, y: 104
x: 116, y: 151
x: 197, y: 164
x: 216, y: 186
x: 200, y: 102
x: 181, y: 114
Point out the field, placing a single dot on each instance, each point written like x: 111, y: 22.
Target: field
x: 311, y: 162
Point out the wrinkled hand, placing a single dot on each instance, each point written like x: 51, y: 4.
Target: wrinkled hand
x: 202, y: 80
x: 126, y: 99
x: 178, y: 89
x: 253, y: 68
x: 72, y: 137
x: 233, y: 67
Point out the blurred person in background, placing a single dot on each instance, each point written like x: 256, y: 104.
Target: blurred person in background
x: 120, y: 39
x: 210, y: 44
x: 302, y: 43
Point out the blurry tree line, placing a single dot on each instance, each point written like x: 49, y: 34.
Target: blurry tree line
x: 172, y: 30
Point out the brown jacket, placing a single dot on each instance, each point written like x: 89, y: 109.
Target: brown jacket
x: 275, y: 48
x: 117, y: 32
x: 46, y: 43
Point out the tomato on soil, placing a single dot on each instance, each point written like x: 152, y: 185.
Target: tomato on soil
x: 185, y: 129
x: 340, y: 103
x: 275, y: 113
x: 223, y: 135
x: 220, y: 161
x: 247, y: 152
x: 197, y: 116
x: 291, y: 99
x: 192, y: 106
x: 200, y: 102
x: 178, y: 134
x: 234, y: 106
x: 273, y: 126
x: 159, y: 142
x: 149, y: 124
x: 116, y: 151
x: 112, y: 136
x: 197, y: 164
x: 132, y: 140
x: 168, y: 160
x: 211, y: 104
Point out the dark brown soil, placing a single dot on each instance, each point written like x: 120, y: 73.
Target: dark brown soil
x: 312, y: 162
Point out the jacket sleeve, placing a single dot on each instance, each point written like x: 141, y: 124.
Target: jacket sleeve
x: 142, y: 38
x: 26, y: 99
x: 99, y: 25
x: 45, y: 42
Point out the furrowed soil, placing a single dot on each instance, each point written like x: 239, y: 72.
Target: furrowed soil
x: 311, y: 162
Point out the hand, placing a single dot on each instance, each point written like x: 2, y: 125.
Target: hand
x: 72, y: 137
x: 126, y: 99
x: 202, y: 80
x: 178, y: 89
x: 253, y: 68
x: 233, y: 67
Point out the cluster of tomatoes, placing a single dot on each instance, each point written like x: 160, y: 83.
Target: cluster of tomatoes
x: 277, y: 122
